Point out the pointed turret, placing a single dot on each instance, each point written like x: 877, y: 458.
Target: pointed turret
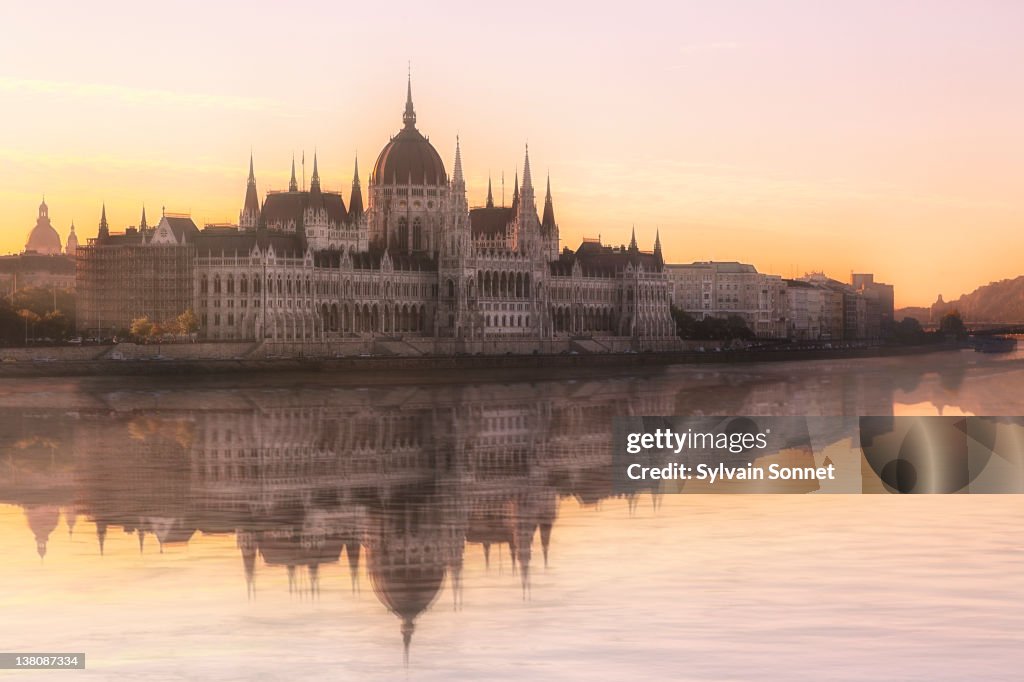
x: 314, y: 182
x: 104, y: 229
x: 632, y: 241
x: 657, y: 247
x: 250, y: 216
x: 409, y: 117
x: 293, y: 184
x: 548, y: 221
x: 355, y: 204
x: 490, y: 196
x: 143, y: 225
x: 457, y: 177
x: 515, y: 194
x: 527, y: 179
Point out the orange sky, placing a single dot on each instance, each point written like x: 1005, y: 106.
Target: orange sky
x: 793, y: 135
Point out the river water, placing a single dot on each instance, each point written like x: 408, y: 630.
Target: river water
x: 294, y: 527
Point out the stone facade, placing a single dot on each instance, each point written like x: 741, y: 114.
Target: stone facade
x: 415, y: 263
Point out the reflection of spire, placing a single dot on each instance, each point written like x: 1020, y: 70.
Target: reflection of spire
x: 101, y: 534
x: 352, y: 550
x: 524, y: 531
x: 487, y: 555
x: 142, y: 539
x: 291, y: 579
x: 455, y: 572
x: 247, y: 543
x: 70, y: 518
x: 545, y: 540
x: 314, y: 578
x: 407, y: 629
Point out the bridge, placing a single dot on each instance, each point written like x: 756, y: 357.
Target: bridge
x: 995, y: 328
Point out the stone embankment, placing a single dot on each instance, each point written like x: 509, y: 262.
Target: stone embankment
x: 374, y: 357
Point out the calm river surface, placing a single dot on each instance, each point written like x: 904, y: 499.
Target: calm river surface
x: 296, y: 527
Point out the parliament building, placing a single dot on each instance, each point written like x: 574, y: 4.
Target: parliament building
x: 412, y: 267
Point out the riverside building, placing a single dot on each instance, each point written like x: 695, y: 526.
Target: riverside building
x: 412, y: 268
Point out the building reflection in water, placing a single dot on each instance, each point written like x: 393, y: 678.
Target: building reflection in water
x: 399, y: 478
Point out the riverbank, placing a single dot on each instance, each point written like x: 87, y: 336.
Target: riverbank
x: 364, y: 365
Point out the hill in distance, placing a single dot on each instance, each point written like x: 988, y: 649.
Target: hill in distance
x: 1001, y: 301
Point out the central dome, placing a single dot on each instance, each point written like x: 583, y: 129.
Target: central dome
x: 409, y: 158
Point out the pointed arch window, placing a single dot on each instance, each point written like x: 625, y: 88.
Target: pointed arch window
x: 417, y: 234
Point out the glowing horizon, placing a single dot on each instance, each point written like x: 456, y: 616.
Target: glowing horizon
x: 792, y: 136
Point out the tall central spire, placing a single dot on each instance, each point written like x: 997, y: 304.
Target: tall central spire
x: 293, y: 184
x: 409, y: 117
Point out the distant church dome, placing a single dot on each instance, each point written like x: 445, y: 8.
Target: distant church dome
x: 409, y: 158
x: 43, y: 238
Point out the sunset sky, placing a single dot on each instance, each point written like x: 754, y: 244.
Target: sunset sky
x: 883, y: 137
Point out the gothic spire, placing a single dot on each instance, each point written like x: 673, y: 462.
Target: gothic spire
x: 293, y: 184
x: 632, y: 241
x: 548, y: 221
x: 657, y: 243
x: 355, y: 204
x: 490, y: 196
x: 527, y: 180
x: 515, y: 194
x: 142, y: 221
x: 457, y: 178
x: 104, y: 230
x: 314, y: 182
x: 251, y: 207
x: 409, y: 117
